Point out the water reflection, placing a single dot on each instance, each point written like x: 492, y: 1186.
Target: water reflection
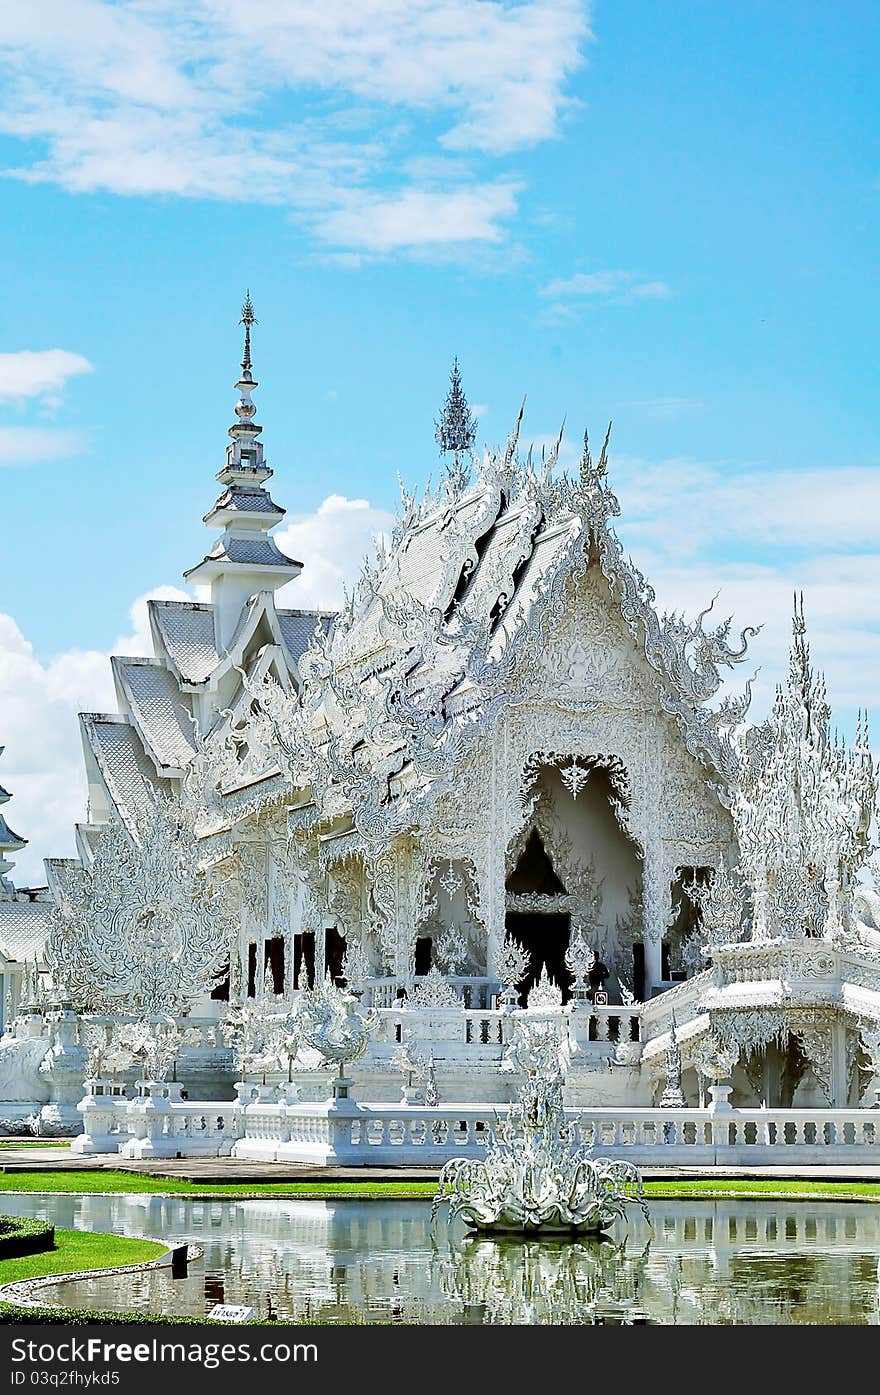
x: 698, y: 1262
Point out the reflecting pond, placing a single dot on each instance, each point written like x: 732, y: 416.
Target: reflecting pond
x: 697, y: 1262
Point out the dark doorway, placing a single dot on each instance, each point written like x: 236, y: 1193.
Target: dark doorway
x: 545, y: 938
x: 638, y: 972
x: 334, y: 954
x: 274, y: 963
x: 422, y: 959
x: 252, y: 970
x: 304, y: 960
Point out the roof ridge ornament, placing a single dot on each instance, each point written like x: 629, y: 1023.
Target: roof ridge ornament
x: 455, y: 433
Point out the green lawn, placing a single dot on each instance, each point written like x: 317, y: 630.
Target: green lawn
x: 97, y: 1181
x: 78, y: 1250
x: 768, y: 1187
x: 100, y: 1181
x: 34, y: 1142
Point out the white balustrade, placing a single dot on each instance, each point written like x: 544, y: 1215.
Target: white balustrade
x: 473, y: 991
x: 419, y: 1135
x: 600, y: 1028
x: 157, y: 1123
x: 270, y: 1123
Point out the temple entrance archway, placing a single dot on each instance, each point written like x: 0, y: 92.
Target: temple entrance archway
x: 544, y: 936
x: 575, y: 866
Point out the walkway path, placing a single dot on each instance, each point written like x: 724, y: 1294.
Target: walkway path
x: 21, y: 1158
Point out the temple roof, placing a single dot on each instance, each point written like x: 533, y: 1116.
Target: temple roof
x: 440, y: 633
x: 127, y: 774
x: 156, y: 707
x: 298, y: 630
x: 24, y: 927
x: 9, y: 841
x: 185, y: 631
x: 245, y: 499
x: 247, y: 552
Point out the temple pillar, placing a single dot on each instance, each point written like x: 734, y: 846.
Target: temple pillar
x: 839, y: 1074
x: 655, y: 910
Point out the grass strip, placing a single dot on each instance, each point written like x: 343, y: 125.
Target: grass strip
x: 78, y: 1250
x: 101, y: 1182
x: 34, y: 1142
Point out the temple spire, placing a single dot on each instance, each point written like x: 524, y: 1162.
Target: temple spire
x: 245, y: 559
x: 248, y: 318
x: 246, y: 450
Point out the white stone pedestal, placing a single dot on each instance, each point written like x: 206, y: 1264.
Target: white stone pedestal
x: 147, y: 1115
x: 102, y: 1109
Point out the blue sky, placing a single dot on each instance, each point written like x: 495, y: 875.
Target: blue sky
x: 664, y: 215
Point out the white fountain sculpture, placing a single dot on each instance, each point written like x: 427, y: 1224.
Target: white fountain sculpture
x: 536, y: 1177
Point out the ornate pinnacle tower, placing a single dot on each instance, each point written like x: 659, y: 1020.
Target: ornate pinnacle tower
x: 9, y: 841
x: 456, y: 430
x: 245, y: 559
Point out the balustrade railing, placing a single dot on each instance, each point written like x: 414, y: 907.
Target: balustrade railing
x: 387, y: 1134
x: 474, y: 992
x: 273, y: 1127
x: 603, y: 1025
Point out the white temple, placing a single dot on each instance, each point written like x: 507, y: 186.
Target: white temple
x: 493, y: 789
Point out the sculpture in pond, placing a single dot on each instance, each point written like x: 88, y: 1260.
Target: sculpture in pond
x: 536, y: 1176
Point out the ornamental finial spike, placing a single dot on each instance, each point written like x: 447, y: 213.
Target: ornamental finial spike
x: 248, y: 318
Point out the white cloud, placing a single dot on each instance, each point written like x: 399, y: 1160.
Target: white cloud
x: 421, y: 218
x: 331, y: 544
x: 29, y: 445
x: 684, y: 505
x: 41, y: 373
x: 618, y: 287
x: 759, y: 537
x: 201, y: 100
x: 42, y: 766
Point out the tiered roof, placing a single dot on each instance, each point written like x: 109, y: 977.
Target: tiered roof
x: 9, y: 841
x: 437, y: 637
x: 23, y: 913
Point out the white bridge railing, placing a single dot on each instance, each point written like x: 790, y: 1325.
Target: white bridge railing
x: 270, y: 1123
